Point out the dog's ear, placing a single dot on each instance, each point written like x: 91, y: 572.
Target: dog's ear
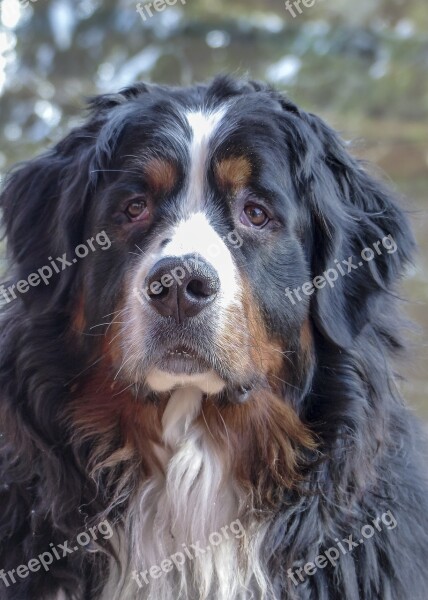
x: 350, y: 211
x: 44, y: 201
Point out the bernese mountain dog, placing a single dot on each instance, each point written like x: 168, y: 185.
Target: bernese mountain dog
x: 198, y: 327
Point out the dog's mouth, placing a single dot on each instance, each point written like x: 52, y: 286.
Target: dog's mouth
x: 182, y: 360
x: 181, y: 365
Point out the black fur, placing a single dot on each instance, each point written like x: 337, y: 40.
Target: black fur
x: 371, y: 446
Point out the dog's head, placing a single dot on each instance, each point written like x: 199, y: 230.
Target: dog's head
x: 194, y: 222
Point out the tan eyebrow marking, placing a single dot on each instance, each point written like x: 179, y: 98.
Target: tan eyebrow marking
x: 161, y: 174
x: 233, y: 173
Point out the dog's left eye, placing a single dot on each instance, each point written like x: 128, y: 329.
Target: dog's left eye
x: 254, y: 216
x: 137, y: 210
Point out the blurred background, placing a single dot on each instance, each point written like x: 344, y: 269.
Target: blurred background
x: 362, y: 65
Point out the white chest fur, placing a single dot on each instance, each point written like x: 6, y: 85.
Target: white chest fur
x: 182, y: 537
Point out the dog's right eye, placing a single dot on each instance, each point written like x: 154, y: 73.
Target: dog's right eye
x: 137, y: 210
x: 254, y: 216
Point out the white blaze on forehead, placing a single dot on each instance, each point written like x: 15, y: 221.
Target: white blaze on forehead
x: 203, y: 126
x: 196, y: 235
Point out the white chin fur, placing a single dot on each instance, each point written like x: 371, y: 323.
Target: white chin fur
x: 162, y: 381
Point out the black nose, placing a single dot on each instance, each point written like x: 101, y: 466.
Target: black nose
x: 181, y: 287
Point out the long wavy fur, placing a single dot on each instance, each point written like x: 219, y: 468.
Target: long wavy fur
x: 370, y: 446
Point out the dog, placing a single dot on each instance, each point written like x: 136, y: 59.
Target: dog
x: 199, y: 326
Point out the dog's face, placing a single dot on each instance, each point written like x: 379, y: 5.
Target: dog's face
x: 206, y: 231
x: 215, y: 200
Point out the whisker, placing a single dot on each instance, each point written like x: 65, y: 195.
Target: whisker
x: 109, y: 323
x: 124, y: 389
x: 121, y: 367
x: 85, y: 369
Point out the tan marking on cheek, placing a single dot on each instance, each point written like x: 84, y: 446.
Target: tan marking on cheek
x: 161, y: 175
x: 245, y: 344
x: 306, y: 339
x: 78, y: 320
x: 233, y: 173
x: 116, y: 322
x: 265, y: 351
x: 304, y: 360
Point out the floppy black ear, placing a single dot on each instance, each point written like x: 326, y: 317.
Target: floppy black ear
x: 42, y: 204
x: 351, y: 211
x: 44, y: 201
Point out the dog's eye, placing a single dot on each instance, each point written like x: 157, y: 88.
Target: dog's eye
x: 137, y: 210
x: 254, y: 216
